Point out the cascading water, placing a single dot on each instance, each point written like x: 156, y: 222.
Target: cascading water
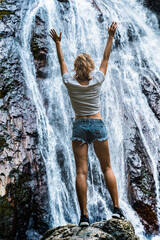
x: 82, y: 32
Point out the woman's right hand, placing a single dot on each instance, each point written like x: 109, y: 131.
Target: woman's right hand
x: 54, y: 35
x: 112, y: 29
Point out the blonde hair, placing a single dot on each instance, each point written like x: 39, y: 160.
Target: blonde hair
x: 83, y: 65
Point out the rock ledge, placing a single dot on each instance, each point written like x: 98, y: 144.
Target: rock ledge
x: 110, y: 230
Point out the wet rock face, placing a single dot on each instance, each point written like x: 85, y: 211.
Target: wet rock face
x: 141, y: 184
x: 154, y: 6
x: 110, y: 230
x: 24, y: 201
x: 153, y: 99
x: 39, y: 47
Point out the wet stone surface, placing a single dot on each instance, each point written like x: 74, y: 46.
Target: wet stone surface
x: 112, y: 229
x: 24, y: 209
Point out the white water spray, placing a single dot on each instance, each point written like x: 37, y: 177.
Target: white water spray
x: 81, y: 32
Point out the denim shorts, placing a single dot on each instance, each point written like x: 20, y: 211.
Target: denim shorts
x: 89, y: 130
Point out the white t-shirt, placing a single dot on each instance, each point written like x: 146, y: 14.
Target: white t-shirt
x: 85, y: 99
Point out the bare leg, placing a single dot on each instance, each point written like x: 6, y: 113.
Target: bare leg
x: 81, y: 155
x: 102, y: 151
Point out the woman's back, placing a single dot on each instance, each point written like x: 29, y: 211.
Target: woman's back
x: 85, y: 99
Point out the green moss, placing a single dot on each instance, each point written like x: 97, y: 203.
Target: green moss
x: 3, y: 143
x: 34, y: 48
x: 18, y: 190
x: 2, y: 94
x: 6, y: 215
x: 8, y: 84
x: 4, y: 13
x: 144, y: 180
x: 11, y: 214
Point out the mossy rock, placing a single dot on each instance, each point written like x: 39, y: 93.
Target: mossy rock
x: 15, y: 205
x: 119, y: 229
x: 3, y: 143
x: 3, y: 93
x: 56, y: 231
x: 35, y: 48
x: 6, y: 217
x: 5, y: 13
x: 8, y: 85
x: 114, y: 229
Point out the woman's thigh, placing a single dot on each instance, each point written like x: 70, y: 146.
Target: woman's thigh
x: 81, y: 155
x: 102, y: 151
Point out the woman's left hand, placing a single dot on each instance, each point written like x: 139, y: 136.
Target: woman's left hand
x: 112, y: 29
x: 54, y: 35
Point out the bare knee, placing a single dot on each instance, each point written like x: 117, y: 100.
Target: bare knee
x: 81, y: 167
x: 82, y: 170
x: 81, y: 173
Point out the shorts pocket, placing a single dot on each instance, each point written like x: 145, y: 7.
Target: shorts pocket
x: 99, y: 131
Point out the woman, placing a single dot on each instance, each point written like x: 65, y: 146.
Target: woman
x: 84, y: 92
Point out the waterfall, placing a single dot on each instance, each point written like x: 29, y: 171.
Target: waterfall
x: 83, y: 31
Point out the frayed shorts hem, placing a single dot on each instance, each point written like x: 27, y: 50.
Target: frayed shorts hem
x: 83, y: 141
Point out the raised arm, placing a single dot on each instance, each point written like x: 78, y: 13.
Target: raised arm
x: 111, y: 32
x: 57, y: 40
